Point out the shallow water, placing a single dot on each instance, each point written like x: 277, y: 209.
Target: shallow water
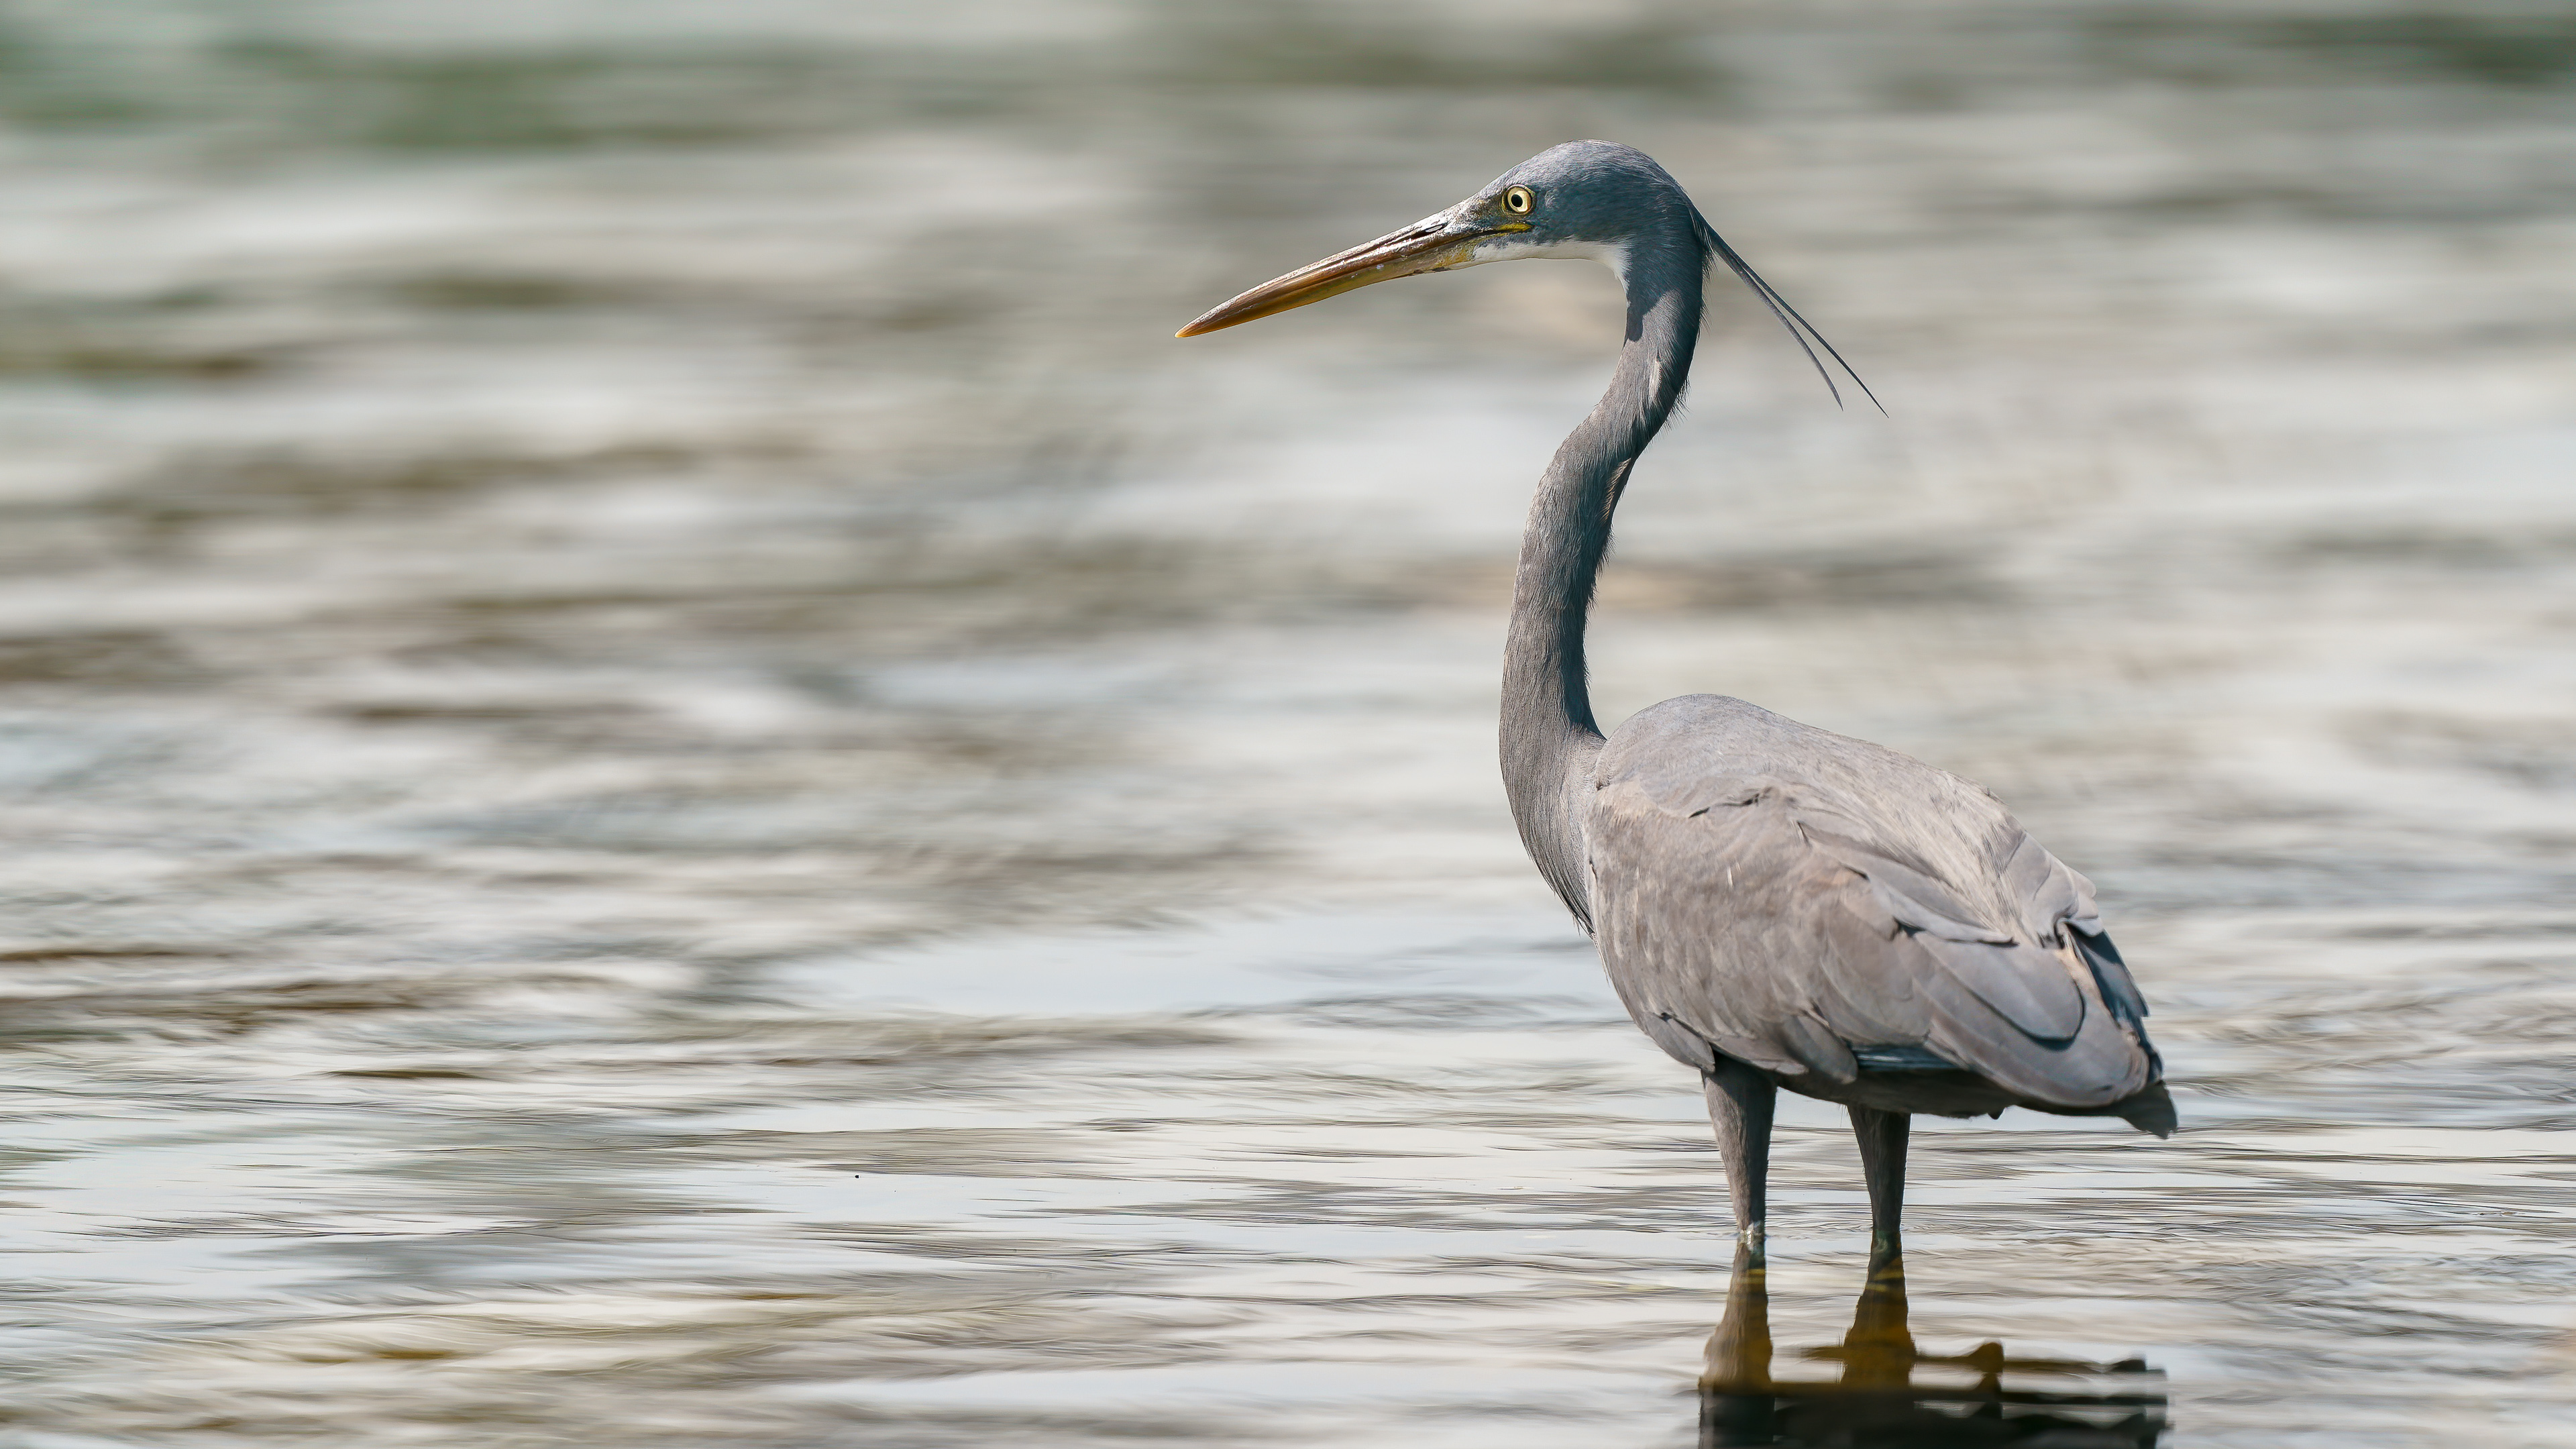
x: 671, y: 779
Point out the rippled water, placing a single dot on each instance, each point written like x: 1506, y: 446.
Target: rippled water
x: 671, y: 779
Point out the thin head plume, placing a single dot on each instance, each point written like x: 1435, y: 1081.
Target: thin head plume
x: 1800, y: 329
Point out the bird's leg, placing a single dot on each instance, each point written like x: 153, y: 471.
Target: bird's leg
x: 1882, y: 1161
x: 1739, y: 1105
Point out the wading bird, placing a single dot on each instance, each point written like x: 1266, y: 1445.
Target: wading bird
x: 1777, y: 906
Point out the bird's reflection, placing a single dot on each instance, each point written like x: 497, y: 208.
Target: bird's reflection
x: 1875, y: 1403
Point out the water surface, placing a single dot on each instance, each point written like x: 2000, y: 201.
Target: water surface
x: 671, y: 778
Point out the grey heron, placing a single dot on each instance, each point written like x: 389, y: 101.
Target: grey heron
x: 1776, y: 905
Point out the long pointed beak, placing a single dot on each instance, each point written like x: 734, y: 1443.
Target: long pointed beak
x: 1432, y: 244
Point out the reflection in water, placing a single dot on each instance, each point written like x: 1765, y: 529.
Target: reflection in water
x: 1877, y: 1402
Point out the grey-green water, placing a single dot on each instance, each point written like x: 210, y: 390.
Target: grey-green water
x: 671, y: 779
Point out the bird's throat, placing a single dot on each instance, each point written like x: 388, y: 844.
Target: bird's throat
x: 1549, y: 737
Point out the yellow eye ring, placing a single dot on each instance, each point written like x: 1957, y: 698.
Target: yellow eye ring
x: 1518, y: 201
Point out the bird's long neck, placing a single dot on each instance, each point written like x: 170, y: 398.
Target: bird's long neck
x: 1548, y: 734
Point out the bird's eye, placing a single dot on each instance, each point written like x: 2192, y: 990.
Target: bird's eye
x: 1518, y: 201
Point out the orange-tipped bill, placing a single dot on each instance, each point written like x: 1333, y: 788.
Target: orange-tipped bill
x: 1431, y: 245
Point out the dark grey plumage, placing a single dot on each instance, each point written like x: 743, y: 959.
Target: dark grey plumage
x: 1874, y: 931
x: 1777, y: 906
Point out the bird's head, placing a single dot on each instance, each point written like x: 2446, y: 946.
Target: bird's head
x: 1595, y: 199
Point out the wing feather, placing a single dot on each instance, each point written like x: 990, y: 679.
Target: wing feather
x: 1784, y: 896
x: 2025, y: 985
x: 1908, y: 893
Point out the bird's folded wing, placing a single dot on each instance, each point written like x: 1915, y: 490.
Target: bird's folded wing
x: 1783, y: 926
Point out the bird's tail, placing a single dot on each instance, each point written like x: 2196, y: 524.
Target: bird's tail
x: 2149, y: 1109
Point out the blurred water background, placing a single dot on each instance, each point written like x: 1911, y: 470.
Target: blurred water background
x: 672, y: 779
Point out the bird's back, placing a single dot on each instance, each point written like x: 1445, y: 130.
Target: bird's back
x: 1861, y: 925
